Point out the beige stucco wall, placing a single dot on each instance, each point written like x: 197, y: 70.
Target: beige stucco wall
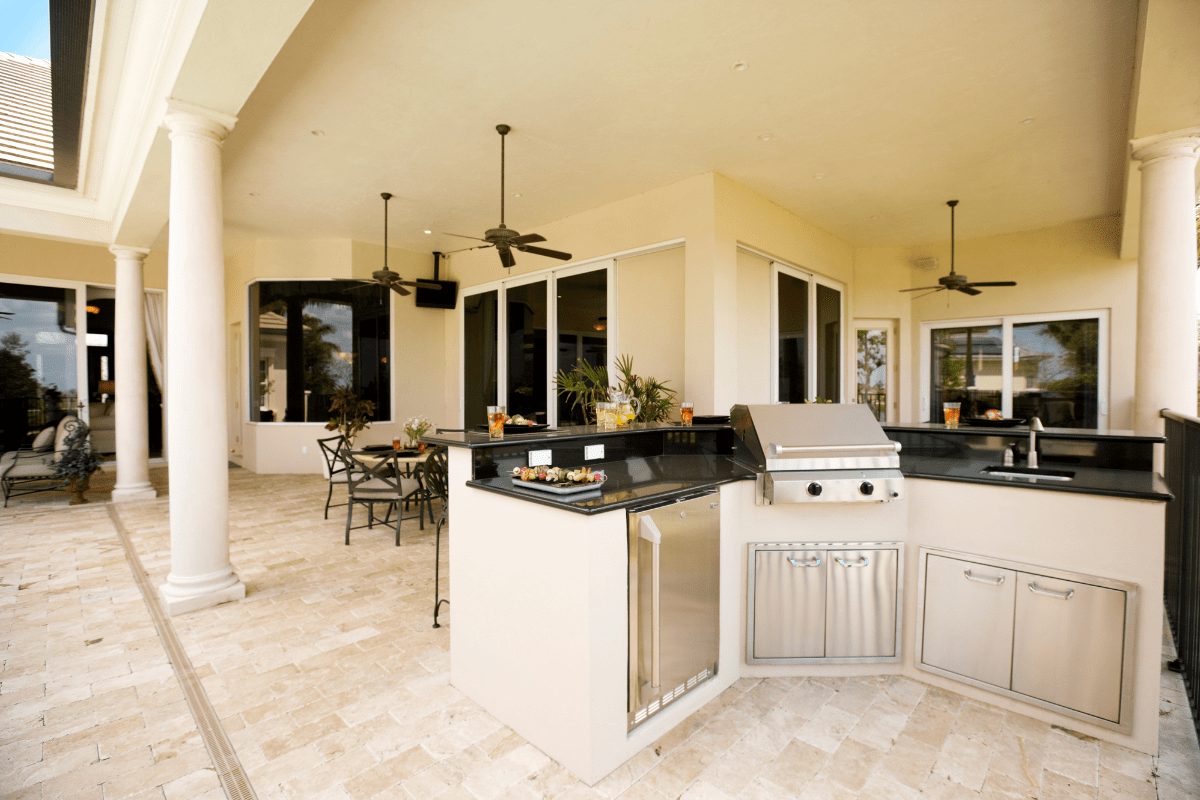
x: 651, y: 315
x: 67, y: 261
x: 1072, y: 267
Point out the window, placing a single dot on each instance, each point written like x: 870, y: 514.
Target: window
x: 38, y: 362
x: 551, y: 320
x: 312, y: 338
x: 874, y: 365
x: 808, y: 336
x: 1052, y: 366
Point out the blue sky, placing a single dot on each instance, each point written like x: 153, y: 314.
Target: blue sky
x: 25, y: 28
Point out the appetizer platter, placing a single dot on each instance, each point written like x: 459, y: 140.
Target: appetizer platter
x: 557, y: 480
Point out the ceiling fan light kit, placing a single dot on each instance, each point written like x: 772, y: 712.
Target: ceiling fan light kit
x: 954, y: 281
x: 503, y: 238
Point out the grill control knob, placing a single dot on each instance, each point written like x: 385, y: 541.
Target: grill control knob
x: 867, y: 488
x: 814, y: 489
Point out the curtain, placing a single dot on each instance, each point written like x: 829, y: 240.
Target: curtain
x: 156, y: 337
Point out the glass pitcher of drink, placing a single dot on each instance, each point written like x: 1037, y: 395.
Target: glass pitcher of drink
x: 627, y: 406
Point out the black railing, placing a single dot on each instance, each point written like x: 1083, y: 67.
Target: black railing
x: 1181, y: 575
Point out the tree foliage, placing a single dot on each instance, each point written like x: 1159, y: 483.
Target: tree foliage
x: 16, y: 374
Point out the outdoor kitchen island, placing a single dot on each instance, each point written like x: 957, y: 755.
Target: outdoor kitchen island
x: 540, y: 585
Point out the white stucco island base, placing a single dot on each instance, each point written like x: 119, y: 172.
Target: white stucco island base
x: 540, y: 615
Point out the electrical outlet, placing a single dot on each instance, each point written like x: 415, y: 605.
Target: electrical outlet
x: 593, y: 451
x: 539, y: 458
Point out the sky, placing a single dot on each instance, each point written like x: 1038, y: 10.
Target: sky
x: 25, y: 28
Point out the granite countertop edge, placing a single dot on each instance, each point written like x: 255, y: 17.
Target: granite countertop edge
x: 1100, y: 482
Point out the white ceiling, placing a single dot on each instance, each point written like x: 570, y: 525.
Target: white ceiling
x: 900, y: 106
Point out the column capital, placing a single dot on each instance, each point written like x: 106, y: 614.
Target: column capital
x: 133, y: 253
x: 1176, y: 144
x: 192, y: 120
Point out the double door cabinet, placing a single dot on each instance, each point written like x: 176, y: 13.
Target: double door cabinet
x: 819, y: 602
x: 1057, y: 639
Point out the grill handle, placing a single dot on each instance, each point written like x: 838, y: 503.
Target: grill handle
x: 782, y: 449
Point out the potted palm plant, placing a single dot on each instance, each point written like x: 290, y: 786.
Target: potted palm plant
x: 585, y: 385
x: 76, y: 465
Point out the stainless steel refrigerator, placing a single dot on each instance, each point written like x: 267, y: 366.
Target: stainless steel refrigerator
x: 674, y: 587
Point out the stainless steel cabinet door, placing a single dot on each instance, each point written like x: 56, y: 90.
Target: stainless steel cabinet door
x: 861, y: 604
x: 1068, y: 644
x: 968, y: 619
x: 789, y: 603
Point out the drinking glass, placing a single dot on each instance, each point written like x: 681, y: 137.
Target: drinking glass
x: 685, y: 413
x: 606, y: 415
x: 950, y: 412
x: 397, y: 443
x: 496, y: 420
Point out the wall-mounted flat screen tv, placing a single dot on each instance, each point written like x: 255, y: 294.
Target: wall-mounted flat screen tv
x: 445, y: 296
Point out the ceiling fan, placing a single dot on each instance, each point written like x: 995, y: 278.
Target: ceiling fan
x: 504, y: 239
x: 386, y: 277
x: 954, y: 281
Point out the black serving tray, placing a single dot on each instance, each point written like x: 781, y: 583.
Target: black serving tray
x: 984, y: 422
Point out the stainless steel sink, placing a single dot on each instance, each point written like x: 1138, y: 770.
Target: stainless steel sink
x: 1027, y: 473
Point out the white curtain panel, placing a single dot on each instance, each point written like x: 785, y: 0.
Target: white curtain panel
x: 156, y: 336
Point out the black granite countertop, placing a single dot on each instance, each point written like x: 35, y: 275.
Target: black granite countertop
x: 476, y: 439
x: 1087, y: 480
x: 630, y: 483
x: 967, y: 429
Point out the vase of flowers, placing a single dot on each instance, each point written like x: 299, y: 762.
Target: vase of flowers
x: 349, y: 414
x: 415, y: 428
x: 76, y: 465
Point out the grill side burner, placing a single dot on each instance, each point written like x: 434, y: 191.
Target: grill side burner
x: 817, y: 453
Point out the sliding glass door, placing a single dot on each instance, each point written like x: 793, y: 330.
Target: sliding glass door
x: 808, y: 338
x: 527, y: 321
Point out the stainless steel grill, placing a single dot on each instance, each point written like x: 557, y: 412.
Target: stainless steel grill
x: 817, y: 453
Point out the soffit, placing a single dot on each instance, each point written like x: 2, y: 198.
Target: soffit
x: 899, y: 106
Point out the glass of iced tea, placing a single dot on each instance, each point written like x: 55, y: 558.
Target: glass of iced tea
x: 950, y: 412
x: 685, y: 413
x: 496, y: 420
x: 606, y: 415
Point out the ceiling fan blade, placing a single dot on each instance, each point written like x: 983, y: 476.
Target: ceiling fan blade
x: 541, y: 251
x: 459, y: 235
x: 528, y: 238
x: 922, y: 288
x: 465, y: 249
x: 966, y: 289
x: 992, y: 283
x: 935, y: 291
x: 398, y: 289
x: 506, y: 258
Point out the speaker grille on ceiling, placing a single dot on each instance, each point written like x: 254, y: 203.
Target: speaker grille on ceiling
x: 926, y: 264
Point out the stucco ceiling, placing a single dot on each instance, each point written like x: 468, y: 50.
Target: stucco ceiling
x: 878, y: 112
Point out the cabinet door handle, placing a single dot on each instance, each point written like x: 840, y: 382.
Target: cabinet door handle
x: 1067, y: 595
x: 649, y: 531
x: 862, y: 563
x: 989, y: 581
x: 814, y: 563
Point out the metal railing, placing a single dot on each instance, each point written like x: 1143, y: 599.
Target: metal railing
x: 1181, y: 573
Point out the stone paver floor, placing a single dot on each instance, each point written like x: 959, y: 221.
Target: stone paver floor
x: 331, y: 684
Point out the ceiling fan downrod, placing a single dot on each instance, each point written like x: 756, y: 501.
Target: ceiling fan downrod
x: 503, y: 131
x: 952, y: 204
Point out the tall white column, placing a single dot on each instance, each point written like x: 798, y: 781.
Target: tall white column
x: 201, y: 574
x: 133, y: 431
x: 1165, y: 375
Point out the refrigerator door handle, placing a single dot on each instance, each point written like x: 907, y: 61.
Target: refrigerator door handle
x: 649, y: 531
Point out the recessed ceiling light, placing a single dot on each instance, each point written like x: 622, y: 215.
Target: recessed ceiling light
x: 819, y: 176
x: 516, y: 194
x: 318, y: 133
x: 740, y: 66
x: 874, y: 216
x: 766, y: 137
x: 429, y: 231
x: 1027, y: 121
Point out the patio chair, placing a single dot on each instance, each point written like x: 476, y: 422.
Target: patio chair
x: 437, y: 484
x: 32, y: 467
x: 332, y: 450
x: 368, y: 484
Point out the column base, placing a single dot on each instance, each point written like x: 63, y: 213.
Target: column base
x: 174, y: 602
x: 141, y: 491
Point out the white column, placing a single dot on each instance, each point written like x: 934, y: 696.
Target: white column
x: 201, y: 574
x: 133, y: 432
x: 1165, y: 375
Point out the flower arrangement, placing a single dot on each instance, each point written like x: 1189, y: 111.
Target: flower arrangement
x: 416, y: 427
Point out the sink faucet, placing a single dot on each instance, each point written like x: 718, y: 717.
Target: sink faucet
x: 1035, y: 425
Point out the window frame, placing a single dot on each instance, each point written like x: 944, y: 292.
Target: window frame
x: 1006, y: 323
x: 249, y: 354
x: 814, y: 280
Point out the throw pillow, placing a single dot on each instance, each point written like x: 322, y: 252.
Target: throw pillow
x: 44, y: 440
